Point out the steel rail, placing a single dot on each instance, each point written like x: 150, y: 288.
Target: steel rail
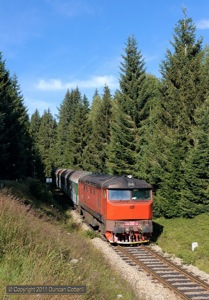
x: 178, y: 268
x: 152, y: 272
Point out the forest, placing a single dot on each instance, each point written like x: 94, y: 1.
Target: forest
x: 156, y: 129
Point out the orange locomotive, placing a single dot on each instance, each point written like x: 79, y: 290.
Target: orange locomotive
x: 119, y: 206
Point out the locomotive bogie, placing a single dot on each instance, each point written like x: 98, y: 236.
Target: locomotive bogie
x: 137, y: 231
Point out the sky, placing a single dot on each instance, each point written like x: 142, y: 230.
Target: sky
x: 56, y: 45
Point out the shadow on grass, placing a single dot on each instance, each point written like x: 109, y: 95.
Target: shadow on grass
x: 64, y: 202
x: 157, y: 231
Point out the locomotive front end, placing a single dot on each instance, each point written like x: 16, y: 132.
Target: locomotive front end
x: 129, y: 212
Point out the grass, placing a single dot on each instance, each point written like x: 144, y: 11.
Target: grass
x: 175, y: 236
x: 39, y: 249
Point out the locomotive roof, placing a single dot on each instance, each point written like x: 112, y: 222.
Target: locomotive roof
x: 114, y: 181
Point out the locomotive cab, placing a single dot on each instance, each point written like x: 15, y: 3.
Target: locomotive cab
x: 129, y: 215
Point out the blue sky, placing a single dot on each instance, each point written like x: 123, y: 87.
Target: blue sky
x: 55, y: 45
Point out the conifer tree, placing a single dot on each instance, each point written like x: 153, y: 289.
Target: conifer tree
x: 77, y: 136
x: 131, y: 80
x: 182, y: 92
x: 90, y: 154
x: 35, y: 123
x: 128, y: 104
x: 67, y: 113
x: 121, y: 154
x: 15, y: 157
x: 182, y: 77
x: 23, y: 140
x: 195, y: 189
x: 3, y: 146
x: 37, y: 165
x: 149, y: 147
x: 46, y: 141
x: 97, y: 147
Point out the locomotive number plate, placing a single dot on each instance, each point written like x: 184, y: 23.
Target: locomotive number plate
x: 131, y: 223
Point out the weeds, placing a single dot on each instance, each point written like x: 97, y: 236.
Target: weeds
x: 34, y: 251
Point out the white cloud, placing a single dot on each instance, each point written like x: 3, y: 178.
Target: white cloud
x: 203, y: 24
x: 41, y: 105
x: 95, y: 82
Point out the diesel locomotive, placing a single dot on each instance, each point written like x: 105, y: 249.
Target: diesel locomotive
x: 119, y: 206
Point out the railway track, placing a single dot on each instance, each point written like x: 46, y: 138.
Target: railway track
x: 183, y: 283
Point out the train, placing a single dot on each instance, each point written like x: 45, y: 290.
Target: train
x: 120, y: 207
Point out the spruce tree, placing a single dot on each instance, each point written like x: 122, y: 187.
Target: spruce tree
x: 182, y: 92
x: 66, y: 114
x: 126, y: 111
x: 46, y: 142
x: 90, y: 153
x: 149, y: 146
x: 15, y: 156
x: 121, y: 154
x: 182, y: 77
x: 97, y: 147
x: 131, y: 80
x: 35, y: 123
x: 37, y: 165
x: 195, y: 190
x: 77, y: 136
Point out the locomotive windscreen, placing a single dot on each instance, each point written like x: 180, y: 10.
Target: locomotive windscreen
x: 128, y: 195
x: 141, y: 194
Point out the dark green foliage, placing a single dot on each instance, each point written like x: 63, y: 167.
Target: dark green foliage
x: 91, y: 156
x: 99, y: 118
x: 128, y: 104
x: 37, y: 168
x: 182, y: 78
x: 131, y: 80
x: 14, y: 128
x: 77, y: 136
x: 122, y: 158
x: 46, y: 142
x: 67, y: 113
x: 35, y: 123
x: 182, y: 93
x: 149, y: 142
x: 195, y: 191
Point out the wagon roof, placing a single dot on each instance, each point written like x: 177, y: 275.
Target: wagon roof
x: 78, y: 174
x: 67, y: 172
x: 61, y: 171
x: 114, y: 182
x: 58, y: 170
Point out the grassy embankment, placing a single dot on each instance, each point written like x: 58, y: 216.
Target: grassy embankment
x: 43, y: 246
x: 178, y: 234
